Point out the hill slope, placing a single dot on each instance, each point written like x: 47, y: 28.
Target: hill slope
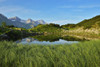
x: 49, y: 28
x: 87, y: 23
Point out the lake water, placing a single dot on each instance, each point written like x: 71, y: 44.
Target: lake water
x: 43, y: 41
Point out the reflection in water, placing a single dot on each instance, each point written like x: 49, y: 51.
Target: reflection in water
x: 31, y: 40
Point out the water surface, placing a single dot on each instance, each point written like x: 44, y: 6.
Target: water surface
x: 49, y: 39
x: 36, y: 41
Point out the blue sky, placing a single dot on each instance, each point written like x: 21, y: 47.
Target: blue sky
x: 56, y: 11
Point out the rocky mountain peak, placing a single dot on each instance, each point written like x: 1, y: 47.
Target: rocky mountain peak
x: 29, y: 20
x: 17, y: 22
x: 15, y: 18
x: 41, y: 21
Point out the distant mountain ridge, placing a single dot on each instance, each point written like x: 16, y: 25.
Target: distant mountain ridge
x: 18, y: 22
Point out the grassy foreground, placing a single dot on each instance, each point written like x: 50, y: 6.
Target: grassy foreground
x: 85, y: 54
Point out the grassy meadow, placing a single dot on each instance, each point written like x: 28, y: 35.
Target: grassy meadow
x: 85, y: 54
x: 89, y: 34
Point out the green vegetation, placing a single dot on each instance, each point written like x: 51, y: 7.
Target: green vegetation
x: 3, y: 30
x: 90, y: 26
x: 9, y: 32
x: 89, y: 34
x: 90, y: 22
x: 85, y: 54
x: 88, y: 29
x: 50, y: 38
x: 53, y: 38
x: 47, y: 29
x: 72, y: 38
x: 86, y: 24
x: 16, y: 34
x: 68, y: 26
x: 3, y: 24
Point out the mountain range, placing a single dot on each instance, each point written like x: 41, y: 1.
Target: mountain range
x: 18, y: 22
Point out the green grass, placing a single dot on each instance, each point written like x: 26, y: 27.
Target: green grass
x: 89, y: 34
x: 86, y: 24
x: 3, y: 30
x: 86, y: 54
x: 47, y: 29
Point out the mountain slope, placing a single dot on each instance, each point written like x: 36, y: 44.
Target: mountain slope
x: 86, y: 24
x: 17, y: 22
x: 9, y: 22
x: 29, y: 22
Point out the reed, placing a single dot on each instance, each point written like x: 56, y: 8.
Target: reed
x: 85, y: 54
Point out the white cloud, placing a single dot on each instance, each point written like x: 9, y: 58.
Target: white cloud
x: 81, y: 6
x: 18, y: 11
x: 66, y: 7
x: 62, y: 22
x: 89, y: 6
x: 78, y: 10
